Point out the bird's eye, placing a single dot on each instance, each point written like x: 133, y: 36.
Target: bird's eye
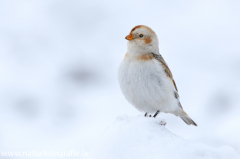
x: 140, y: 35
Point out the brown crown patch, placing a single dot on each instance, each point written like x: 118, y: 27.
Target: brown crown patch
x: 142, y: 26
x: 138, y: 26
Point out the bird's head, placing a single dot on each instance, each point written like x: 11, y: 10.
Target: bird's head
x: 142, y: 39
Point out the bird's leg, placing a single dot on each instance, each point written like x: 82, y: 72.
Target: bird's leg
x: 156, y: 114
x: 145, y: 114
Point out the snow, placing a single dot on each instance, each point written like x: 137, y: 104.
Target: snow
x: 143, y: 137
x: 59, y: 62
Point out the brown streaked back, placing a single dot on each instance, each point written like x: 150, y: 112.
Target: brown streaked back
x: 166, y: 68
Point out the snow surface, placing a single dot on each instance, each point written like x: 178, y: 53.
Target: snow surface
x: 59, y: 62
x: 145, y: 138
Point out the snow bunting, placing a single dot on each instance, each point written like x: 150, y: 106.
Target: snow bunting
x: 145, y: 78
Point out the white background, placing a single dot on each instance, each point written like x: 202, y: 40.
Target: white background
x: 59, y: 62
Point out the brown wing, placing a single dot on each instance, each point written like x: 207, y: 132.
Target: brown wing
x: 167, y: 70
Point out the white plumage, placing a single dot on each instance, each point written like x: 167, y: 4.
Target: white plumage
x: 144, y: 77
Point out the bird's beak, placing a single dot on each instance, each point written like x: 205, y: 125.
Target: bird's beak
x: 129, y: 37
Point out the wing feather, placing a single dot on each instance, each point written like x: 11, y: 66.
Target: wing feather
x: 167, y: 70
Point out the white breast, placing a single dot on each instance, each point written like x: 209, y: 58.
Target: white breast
x: 145, y: 85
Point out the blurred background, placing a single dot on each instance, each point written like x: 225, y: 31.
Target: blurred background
x: 59, y: 61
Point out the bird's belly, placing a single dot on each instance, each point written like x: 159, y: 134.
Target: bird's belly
x: 145, y: 85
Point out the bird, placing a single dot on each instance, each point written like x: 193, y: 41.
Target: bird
x: 145, y: 78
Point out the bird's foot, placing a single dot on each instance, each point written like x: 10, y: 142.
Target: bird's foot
x: 145, y: 114
x: 156, y: 114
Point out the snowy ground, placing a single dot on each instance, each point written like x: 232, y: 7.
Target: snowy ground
x: 59, y: 61
x: 140, y: 137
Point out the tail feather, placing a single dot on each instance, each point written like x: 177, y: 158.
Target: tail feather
x: 187, y: 119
